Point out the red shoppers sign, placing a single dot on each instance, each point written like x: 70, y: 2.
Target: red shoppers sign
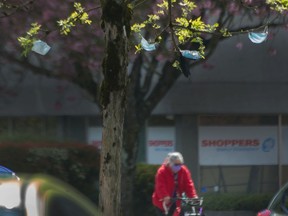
x: 160, y: 141
x: 237, y: 145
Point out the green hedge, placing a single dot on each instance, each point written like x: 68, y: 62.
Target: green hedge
x: 233, y: 201
x: 74, y: 163
x: 212, y: 201
x: 144, y: 185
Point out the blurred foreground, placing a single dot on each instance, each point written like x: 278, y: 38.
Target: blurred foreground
x: 42, y: 195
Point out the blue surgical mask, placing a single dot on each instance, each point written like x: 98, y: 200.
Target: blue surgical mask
x: 176, y: 167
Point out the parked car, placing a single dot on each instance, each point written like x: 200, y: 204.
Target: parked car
x: 41, y: 195
x: 278, y: 206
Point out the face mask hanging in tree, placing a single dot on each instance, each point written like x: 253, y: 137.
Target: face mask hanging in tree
x: 258, y: 37
x: 147, y: 46
x: 190, y: 54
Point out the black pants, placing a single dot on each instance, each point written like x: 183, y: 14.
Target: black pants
x: 170, y: 212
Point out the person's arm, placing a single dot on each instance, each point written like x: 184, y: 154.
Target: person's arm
x: 190, y: 189
x: 161, y: 186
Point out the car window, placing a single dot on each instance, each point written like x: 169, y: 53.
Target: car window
x: 280, y: 205
x: 59, y: 205
x: 284, y: 202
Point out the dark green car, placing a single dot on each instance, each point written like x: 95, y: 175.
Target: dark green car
x: 278, y: 206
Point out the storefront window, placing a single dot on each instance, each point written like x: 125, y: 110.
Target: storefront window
x: 238, y: 153
x: 5, y: 124
x: 28, y: 126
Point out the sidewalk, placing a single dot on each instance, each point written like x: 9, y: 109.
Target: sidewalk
x: 229, y: 213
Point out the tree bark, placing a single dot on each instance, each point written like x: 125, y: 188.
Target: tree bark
x: 129, y: 168
x: 132, y: 127
x: 116, y: 26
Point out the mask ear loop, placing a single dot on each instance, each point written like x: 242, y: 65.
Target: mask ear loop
x: 266, y: 29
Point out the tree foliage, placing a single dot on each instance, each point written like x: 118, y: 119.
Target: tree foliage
x: 189, y: 24
x: 192, y: 23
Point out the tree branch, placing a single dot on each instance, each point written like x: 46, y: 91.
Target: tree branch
x: 13, y: 8
x: 149, y: 72
x: 83, y: 78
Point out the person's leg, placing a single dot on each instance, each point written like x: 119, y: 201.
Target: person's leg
x: 159, y: 212
x: 172, y: 209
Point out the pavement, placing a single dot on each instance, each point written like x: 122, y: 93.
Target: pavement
x: 229, y: 213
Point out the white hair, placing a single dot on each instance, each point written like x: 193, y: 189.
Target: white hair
x: 173, y: 156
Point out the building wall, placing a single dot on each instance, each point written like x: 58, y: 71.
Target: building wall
x: 251, y: 178
x: 72, y: 128
x: 236, y: 179
x: 187, y: 143
x: 227, y: 178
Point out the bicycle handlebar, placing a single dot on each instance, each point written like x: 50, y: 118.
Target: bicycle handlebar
x: 190, y: 201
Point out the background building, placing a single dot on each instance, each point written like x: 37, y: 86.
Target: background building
x: 230, y: 119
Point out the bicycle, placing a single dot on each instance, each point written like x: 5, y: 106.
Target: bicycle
x: 189, y: 206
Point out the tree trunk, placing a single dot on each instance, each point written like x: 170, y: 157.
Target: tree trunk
x: 130, y: 149
x: 132, y: 129
x: 116, y: 25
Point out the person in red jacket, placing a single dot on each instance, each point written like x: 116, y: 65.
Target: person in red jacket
x: 171, y: 180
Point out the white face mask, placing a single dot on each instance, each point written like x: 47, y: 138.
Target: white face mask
x: 258, y: 37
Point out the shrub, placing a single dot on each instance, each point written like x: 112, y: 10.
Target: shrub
x: 239, y: 201
x: 74, y: 163
x: 143, y: 189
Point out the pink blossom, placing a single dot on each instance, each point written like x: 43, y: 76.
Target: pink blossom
x: 160, y: 57
x: 247, y: 2
x: 239, y: 46
x: 271, y: 36
x: 233, y: 8
x: 71, y: 98
x: 208, y: 4
x: 92, y: 65
x: 196, y: 12
x: 60, y: 88
x: 11, y: 93
x: 272, y: 51
x: 47, y: 14
x: 58, y: 105
x: 78, y: 46
x: 260, y: 11
x: 207, y: 66
x: 216, y: 12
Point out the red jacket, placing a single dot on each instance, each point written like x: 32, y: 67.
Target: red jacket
x: 165, y: 186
